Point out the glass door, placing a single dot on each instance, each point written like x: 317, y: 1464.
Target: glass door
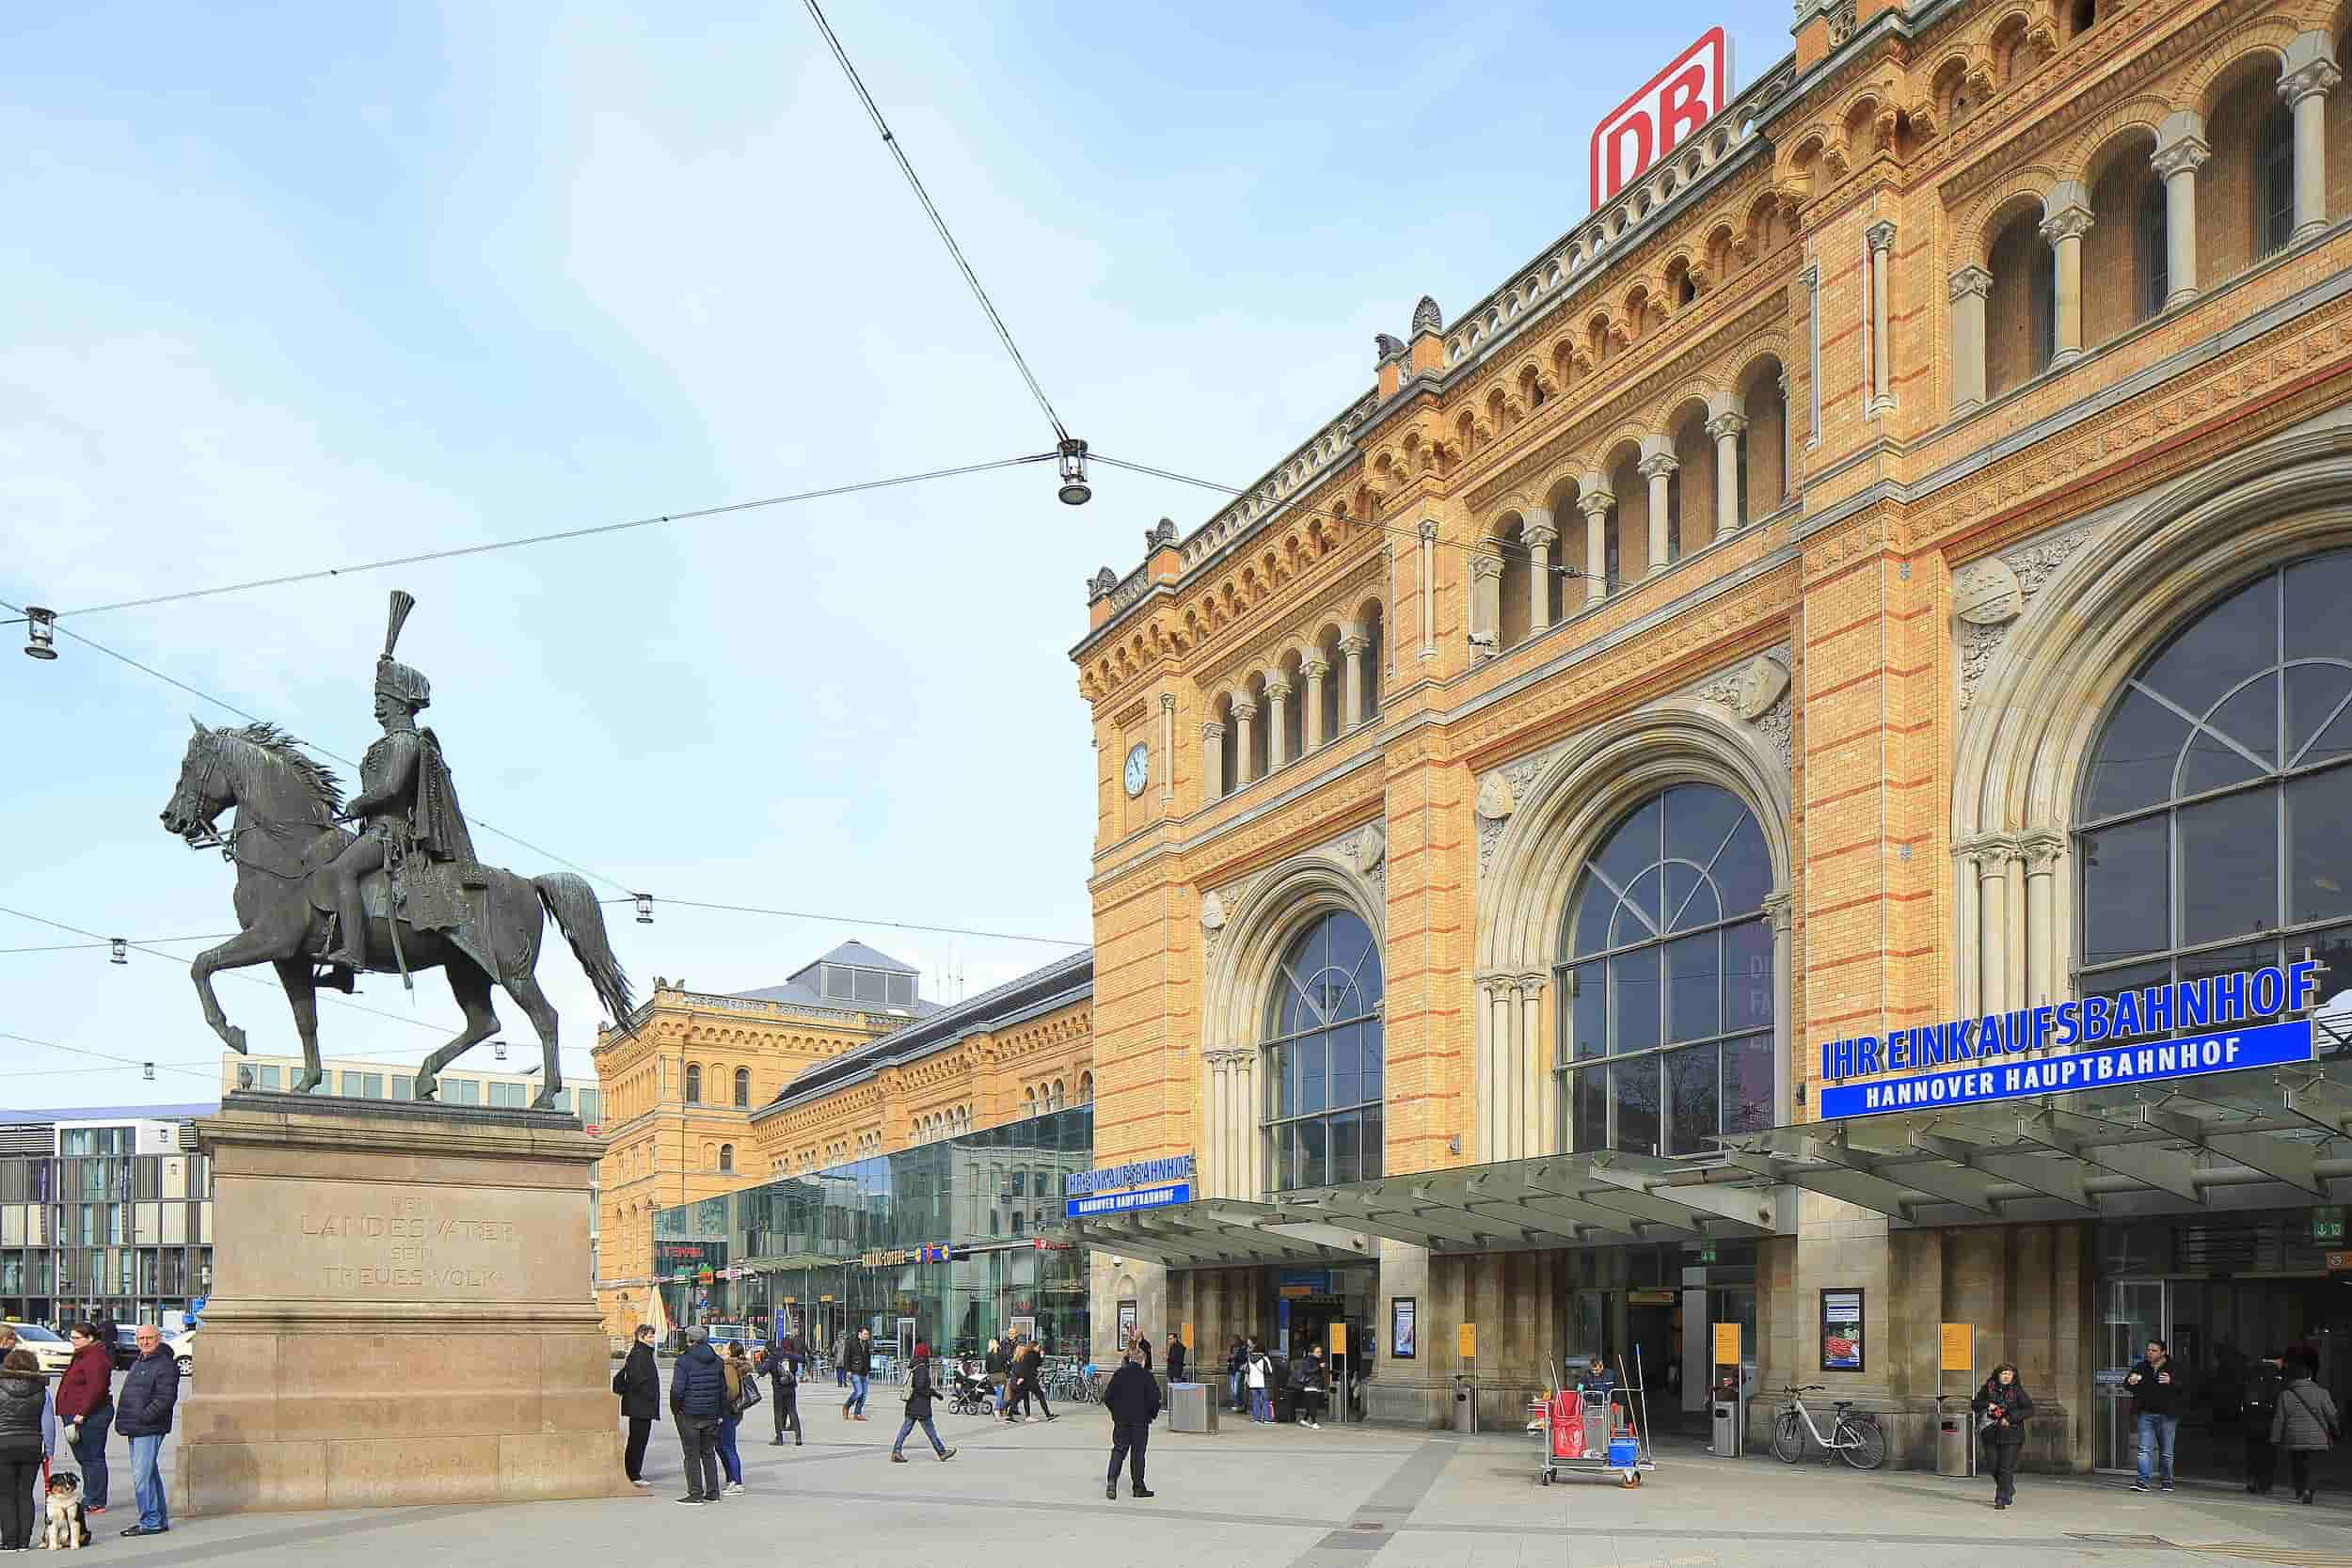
x: 2137, y: 1310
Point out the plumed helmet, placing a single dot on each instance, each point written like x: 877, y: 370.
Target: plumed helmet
x: 397, y: 680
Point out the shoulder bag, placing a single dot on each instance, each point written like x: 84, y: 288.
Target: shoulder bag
x: 747, y: 1395
x: 2330, y: 1428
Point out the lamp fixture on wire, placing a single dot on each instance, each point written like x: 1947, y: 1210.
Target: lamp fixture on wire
x: 645, y: 908
x: 1074, y: 489
x: 41, y: 632
x: 118, y: 950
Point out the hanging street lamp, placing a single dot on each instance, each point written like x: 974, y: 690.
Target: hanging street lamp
x: 1074, y: 489
x: 41, y: 632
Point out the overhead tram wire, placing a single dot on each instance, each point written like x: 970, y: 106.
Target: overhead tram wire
x: 108, y: 942
x: 955, y: 251
x: 1499, y: 545
x: 850, y: 920
x: 489, y: 547
x: 107, y: 1056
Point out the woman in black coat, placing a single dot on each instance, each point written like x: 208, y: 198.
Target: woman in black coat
x: 2004, y: 1405
x: 639, y: 1384
x: 919, y: 1394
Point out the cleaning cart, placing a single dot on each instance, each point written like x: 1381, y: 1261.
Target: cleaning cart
x: 1595, y: 1431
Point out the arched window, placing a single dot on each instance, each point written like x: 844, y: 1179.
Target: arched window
x: 1061, y: 1095
x: 1325, y: 1059
x: 2216, y: 817
x: 726, y: 1159
x: 1086, y: 1088
x: 743, y: 1087
x: 1666, y: 969
x: 2274, y: 182
x: 694, y: 1084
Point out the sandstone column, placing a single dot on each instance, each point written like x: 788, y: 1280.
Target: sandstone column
x: 1428, y: 588
x: 1780, y: 909
x: 1535, y: 1062
x: 1970, y: 285
x: 1993, y: 931
x: 1657, y: 466
x: 1541, y: 536
x: 2044, y: 850
x: 2180, y: 151
x: 1352, y: 649
x: 2309, y: 76
x: 1245, y: 741
x: 1316, y: 670
x: 1486, y: 605
x: 1278, y: 722
x: 1594, y: 503
x: 1882, y: 242
x: 1730, y: 505
x: 2069, y: 220
x: 1212, y: 785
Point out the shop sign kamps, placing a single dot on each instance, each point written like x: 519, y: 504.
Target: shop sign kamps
x: 2216, y: 1024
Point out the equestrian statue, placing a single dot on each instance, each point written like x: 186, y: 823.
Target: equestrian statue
x: 403, y: 893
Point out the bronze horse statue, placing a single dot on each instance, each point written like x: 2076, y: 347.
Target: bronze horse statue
x: 284, y: 836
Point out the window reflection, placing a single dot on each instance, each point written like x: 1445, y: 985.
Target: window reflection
x: 1324, y: 1061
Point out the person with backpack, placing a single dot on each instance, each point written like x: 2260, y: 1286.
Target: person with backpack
x: 2003, y: 1405
x: 2259, y: 1406
x: 919, y: 1395
x: 639, y: 1384
x: 782, y: 1363
x: 2306, y: 1422
x: 1261, y: 1375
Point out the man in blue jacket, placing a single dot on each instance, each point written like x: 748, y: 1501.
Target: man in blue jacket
x: 698, y: 1403
x: 143, y: 1414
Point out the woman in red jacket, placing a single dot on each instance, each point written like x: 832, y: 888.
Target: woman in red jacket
x: 86, y: 1402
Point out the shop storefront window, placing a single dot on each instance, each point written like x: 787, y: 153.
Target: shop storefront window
x: 1323, y: 1058
x: 2217, y: 809
x: 1666, y: 975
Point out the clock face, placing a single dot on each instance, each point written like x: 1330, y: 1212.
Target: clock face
x: 1138, y: 769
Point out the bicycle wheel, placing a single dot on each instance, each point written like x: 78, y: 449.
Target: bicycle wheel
x: 1789, y: 1438
x: 1860, y: 1442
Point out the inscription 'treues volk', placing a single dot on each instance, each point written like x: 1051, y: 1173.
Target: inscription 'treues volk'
x: 403, y: 1246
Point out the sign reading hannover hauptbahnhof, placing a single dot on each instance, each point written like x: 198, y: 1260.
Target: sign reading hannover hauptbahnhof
x: 1147, y: 1183
x: 2212, y: 1024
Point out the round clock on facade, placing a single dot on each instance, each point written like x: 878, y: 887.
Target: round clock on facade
x: 1138, y: 768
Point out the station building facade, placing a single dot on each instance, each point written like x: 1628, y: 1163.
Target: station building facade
x: 1889, y: 565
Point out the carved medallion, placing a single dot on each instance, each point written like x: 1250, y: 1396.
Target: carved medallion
x: 1212, y: 913
x: 1761, y: 686
x: 1367, y: 849
x: 1496, y: 799
x: 1986, y: 593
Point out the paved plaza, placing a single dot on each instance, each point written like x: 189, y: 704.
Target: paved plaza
x: 1344, y: 1498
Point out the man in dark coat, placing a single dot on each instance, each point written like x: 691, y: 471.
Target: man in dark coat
x: 860, y: 1362
x: 143, y: 1414
x: 780, y: 1361
x: 2265, y: 1383
x: 698, y: 1403
x: 1175, y: 1358
x: 639, y: 1384
x: 1133, y: 1401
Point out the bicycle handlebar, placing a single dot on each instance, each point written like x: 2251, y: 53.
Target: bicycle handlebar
x: 1808, y: 1388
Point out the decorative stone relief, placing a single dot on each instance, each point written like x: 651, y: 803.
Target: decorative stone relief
x: 1212, y: 914
x: 1982, y: 632
x: 1496, y: 798
x: 1367, y: 848
x: 1758, y: 693
x: 1504, y: 787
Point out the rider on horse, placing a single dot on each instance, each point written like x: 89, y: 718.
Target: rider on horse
x: 406, y: 802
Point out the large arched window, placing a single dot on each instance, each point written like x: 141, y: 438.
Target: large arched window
x: 694, y: 1084
x: 1323, y: 1058
x: 743, y: 1087
x: 2216, y: 820
x: 1666, y: 966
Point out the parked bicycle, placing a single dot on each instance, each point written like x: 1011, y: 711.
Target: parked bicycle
x: 1854, y: 1435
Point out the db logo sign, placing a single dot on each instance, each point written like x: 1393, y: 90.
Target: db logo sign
x: 1657, y: 119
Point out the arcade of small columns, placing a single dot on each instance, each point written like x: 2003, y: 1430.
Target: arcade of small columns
x: 1353, y: 645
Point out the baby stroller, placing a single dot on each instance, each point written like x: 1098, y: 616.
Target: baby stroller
x: 969, y: 1395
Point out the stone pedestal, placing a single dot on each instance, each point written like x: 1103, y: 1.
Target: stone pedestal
x: 402, y: 1311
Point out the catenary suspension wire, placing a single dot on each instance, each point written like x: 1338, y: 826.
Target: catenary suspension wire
x: 106, y: 1056
x: 850, y: 920
x: 108, y: 942
x: 591, y: 531
x: 954, y: 250
x: 1498, y: 546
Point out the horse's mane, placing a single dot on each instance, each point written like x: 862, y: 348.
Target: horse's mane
x: 319, y: 781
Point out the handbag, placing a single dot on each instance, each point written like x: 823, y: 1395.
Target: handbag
x: 2333, y: 1431
x: 746, y: 1396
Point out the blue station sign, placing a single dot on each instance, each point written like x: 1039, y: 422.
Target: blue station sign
x: 1120, y: 1203
x: 1123, y: 1188
x: 2216, y: 1024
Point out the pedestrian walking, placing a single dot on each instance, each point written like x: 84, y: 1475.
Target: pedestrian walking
x: 920, y: 1392
x: 1176, y: 1357
x: 1034, y: 1380
x: 143, y: 1414
x: 738, y: 1370
x: 1261, y: 1395
x: 859, y: 1363
x: 2305, y: 1423
x: 2265, y: 1383
x: 86, y: 1411
x: 841, y: 1359
x: 1237, y: 1368
x: 1142, y: 1347
x: 1132, y: 1400
x: 28, y: 1434
x: 1313, y: 1381
x: 2155, y: 1390
x: 639, y: 1384
x: 782, y: 1363
x: 992, y: 1367
x: 2002, y: 1406
x: 698, y: 1401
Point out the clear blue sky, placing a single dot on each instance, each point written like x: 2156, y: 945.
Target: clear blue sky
x: 294, y: 286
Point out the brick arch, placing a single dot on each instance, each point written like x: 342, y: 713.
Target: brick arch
x: 1976, y: 229
x: 2086, y: 156
x: 2245, y: 46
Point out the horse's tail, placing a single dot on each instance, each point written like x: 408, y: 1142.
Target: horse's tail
x: 573, y: 903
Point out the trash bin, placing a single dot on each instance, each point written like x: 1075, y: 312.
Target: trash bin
x: 1190, y: 1408
x: 1728, y: 1438
x: 1285, y: 1402
x: 1955, y: 1436
x: 1465, y: 1405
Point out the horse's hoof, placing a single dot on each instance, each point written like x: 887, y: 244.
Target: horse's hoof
x: 307, y: 1081
x: 544, y: 1100
x: 236, y: 1037
x: 426, y: 1089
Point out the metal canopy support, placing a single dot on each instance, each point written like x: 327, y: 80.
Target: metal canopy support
x: 2318, y: 1100
x: 1413, y: 1226
x: 1550, y: 1196
x: 1862, y: 1190
x: 1746, y: 1208
x: 2051, y: 1178
x: 1940, y: 1182
x: 2167, y: 1169
x: 2282, y: 1159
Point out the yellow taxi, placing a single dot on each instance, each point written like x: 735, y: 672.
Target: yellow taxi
x: 51, y: 1349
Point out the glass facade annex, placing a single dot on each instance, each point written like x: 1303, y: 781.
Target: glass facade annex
x: 947, y: 1243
